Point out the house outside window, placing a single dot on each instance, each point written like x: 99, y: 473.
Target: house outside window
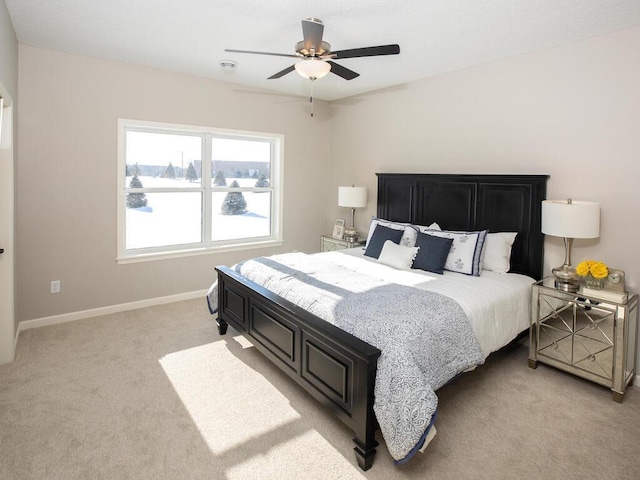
x: 185, y: 190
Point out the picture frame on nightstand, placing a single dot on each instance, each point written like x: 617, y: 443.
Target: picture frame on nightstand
x: 338, y: 229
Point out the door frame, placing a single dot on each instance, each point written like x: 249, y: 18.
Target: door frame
x: 7, y: 229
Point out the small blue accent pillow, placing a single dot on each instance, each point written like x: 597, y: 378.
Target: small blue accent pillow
x: 380, y: 235
x: 433, y: 253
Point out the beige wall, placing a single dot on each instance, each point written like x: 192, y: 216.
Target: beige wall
x: 570, y: 112
x: 67, y: 175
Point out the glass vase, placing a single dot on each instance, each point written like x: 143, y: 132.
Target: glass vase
x: 592, y: 282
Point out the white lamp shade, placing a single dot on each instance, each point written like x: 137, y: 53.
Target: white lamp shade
x: 312, y: 68
x: 352, y: 197
x: 571, y: 219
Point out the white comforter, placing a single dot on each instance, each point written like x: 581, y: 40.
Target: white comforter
x: 497, y: 304
x: 425, y: 337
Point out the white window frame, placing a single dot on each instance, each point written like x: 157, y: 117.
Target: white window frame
x: 206, y: 245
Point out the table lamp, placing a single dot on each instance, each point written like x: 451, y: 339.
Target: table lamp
x: 569, y: 219
x: 352, y: 197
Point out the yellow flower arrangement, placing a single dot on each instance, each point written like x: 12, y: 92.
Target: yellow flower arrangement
x: 594, y: 268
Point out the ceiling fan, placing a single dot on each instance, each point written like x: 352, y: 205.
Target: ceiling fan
x: 316, y: 58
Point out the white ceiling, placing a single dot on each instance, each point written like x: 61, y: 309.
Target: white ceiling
x: 435, y: 36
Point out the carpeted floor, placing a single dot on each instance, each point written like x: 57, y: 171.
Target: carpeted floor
x: 156, y: 393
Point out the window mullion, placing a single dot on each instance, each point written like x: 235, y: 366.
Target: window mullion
x: 205, y: 183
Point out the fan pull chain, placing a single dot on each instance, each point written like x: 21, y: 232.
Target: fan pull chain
x: 311, y: 97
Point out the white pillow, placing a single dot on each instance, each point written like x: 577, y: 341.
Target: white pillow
x: 465, y: 255
x: 408, y: 237
x: 397, y: 256
x: 433, y: 226
x: 497, y: 251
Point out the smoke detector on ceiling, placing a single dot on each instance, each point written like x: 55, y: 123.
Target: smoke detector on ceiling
x: 228, y: 66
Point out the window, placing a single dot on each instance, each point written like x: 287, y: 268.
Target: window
x: 185, y: 190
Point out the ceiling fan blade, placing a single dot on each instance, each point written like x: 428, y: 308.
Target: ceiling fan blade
x: 282, y: 73
x: 342, y: 71
x: 312, y: 30
x: 261, y: 53
x: 366, y: 52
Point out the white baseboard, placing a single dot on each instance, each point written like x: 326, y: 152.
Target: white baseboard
x: 96, y: 312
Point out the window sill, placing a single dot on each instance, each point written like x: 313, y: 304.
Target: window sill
x: 150, y: 257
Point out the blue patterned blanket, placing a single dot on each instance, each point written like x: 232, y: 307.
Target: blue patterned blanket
x: 425, y: 338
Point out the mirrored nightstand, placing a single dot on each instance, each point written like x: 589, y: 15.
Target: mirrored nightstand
x: 584, y: 335
x: 330, y: 244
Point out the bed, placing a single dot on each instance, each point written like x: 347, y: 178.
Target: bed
x: 339, y: 369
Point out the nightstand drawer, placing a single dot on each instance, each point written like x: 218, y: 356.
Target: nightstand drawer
x: 585, y: 344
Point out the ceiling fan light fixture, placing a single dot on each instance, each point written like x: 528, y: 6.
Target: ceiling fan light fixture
x: 312, y: 68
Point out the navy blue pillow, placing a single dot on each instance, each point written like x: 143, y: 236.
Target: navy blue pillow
x: 380, y: 235
x: 433, y: 253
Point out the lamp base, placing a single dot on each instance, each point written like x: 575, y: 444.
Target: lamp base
x: 566, y: 278
x: 350, y: 235
x: 566, y: 286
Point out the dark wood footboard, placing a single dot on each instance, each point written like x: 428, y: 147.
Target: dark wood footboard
x: 335, y: 367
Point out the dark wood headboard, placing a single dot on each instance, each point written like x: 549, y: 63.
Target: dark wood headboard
x: 498, y: 203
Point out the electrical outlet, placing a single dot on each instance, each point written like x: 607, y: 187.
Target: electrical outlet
x: 55, y: 286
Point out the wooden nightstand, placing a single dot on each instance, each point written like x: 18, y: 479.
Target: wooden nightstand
x: 584, y: 335
x: 330, y: 244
